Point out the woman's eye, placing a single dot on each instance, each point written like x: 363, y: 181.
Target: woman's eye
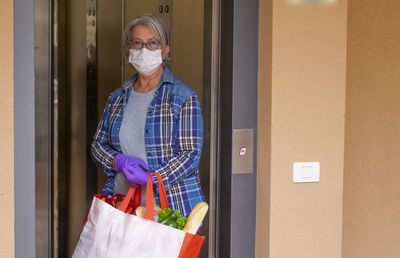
x: 136, y: 43
x: 154, y: 44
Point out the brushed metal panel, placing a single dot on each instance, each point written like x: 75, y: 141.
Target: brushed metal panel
x: 242, y: 151
x: 76, y: 76
x: 210, y: 156
x: 24, y: 130
x: 244, y: 111
x: 43, y: 137
x: 60, y: 150
x: 91, y: 96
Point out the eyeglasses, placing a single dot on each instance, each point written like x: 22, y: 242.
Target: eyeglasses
x: 152, y: 44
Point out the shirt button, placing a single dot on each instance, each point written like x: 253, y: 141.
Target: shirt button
x: 150, y: 112
x: 147, y: 131
x: 117, y: 129
x: 149, y: 154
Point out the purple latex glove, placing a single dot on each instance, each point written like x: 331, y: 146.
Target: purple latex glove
x: 134, y: 169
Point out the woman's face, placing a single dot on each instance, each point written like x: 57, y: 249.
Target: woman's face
x: 144, y: 34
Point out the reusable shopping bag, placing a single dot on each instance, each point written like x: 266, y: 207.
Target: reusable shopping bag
x: 116, y: 199
x: 110, y: 232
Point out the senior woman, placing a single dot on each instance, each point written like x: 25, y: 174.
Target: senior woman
x: 152, y: 123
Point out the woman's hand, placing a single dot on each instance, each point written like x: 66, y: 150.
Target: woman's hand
x: 135, y: 170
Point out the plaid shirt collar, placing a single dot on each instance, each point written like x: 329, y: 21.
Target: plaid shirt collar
x: 166, y: 77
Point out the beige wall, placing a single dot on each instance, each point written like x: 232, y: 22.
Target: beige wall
x: 307, y: 124
x: 371, y: 218
x: 264, y: 128
x: 6, y: 131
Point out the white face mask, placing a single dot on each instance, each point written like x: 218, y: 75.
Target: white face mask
x: 145, y: 61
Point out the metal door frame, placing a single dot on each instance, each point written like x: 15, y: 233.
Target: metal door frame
x: 49, y: 77
x: 211, y: 77
x: 43, y: 57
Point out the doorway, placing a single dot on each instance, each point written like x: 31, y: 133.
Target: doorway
x: 88, y: 66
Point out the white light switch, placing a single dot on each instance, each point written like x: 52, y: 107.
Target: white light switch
x: 304, y: 172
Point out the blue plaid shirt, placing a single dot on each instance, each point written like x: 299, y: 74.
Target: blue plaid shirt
x: 173, y: 139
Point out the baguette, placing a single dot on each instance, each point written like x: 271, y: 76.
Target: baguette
x: 157, y: 210
x: 140, y: 211
x: 195, y: 218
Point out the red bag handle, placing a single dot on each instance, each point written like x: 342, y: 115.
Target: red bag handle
x: 137, y: 197
x: 162, y: 192
x: 123, y: 206
x: 149, y: 214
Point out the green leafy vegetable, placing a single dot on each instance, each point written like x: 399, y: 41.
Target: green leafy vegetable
x: 164, y: 213
x: 172, y: 223
x: 177, y: 213
x: 181, y: 221
x: 172, y: 218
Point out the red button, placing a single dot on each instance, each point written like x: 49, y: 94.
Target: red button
x: 243, y: 151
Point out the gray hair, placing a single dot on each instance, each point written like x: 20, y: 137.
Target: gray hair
x: 154, y: 22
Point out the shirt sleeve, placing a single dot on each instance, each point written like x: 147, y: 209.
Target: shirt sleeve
x: 189, y: 144
x: 101, y: 151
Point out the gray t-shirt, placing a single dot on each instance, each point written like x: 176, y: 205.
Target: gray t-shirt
x: 131, y: 135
